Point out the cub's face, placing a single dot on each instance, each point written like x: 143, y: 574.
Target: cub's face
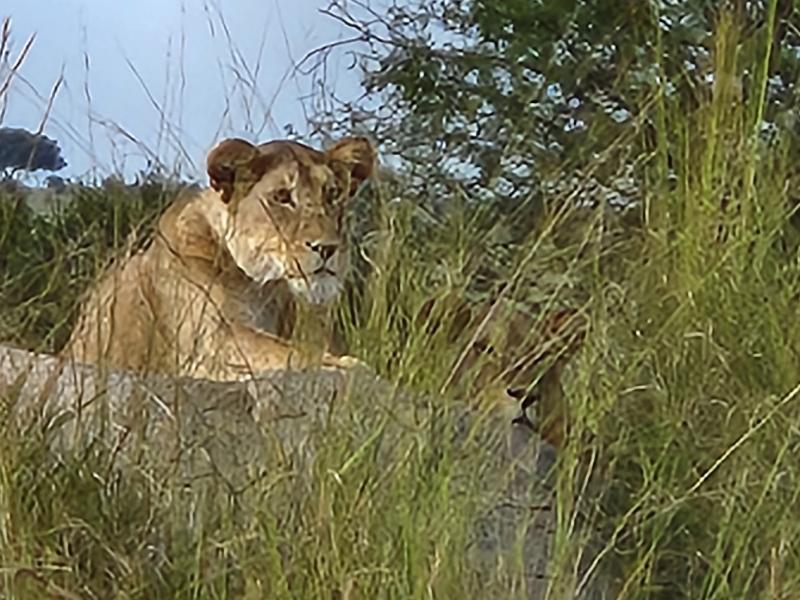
x: 285, y: 207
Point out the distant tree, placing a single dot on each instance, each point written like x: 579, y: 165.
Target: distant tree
x: 22, y: 150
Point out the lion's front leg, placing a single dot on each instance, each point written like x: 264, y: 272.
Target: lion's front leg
x: 245, y: 352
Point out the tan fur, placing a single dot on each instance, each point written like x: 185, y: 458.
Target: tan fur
x: 216, y: 293
x: 513, y: 356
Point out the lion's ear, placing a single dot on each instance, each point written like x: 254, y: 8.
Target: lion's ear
x: 457, y: 311
x: 358, y: 155
x: 229, y: 161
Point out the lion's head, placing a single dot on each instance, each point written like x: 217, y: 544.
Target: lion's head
x: 283, y: 206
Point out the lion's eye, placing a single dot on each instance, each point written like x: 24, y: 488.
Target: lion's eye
x: 332, y: 194
x: 483, y: 348
x: 283, y: 196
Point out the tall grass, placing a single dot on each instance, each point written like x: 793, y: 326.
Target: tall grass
x: 680, y: 478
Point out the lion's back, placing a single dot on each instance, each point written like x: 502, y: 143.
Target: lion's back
x: 115, y: 322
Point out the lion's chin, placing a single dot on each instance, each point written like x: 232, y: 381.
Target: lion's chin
x: 316, y: 289
x: 265, y: 271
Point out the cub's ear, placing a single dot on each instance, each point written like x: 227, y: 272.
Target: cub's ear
x: 358, y: 155
x: 231, y: 163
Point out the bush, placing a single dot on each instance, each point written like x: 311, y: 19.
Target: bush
x: 48, y: 259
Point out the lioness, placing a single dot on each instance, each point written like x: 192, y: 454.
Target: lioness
x: 512, y: 355
x: 215, y: 294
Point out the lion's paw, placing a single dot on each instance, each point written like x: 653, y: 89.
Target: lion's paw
x: 344, y: 362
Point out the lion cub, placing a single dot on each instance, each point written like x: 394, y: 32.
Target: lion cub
x: 216, y: 293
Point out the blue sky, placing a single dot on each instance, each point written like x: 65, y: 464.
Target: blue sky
x: 163, y: 79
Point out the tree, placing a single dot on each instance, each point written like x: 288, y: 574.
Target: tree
x: 22, y: 150
x: 506, y: 99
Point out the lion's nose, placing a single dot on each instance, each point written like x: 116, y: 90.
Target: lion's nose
x: 324, y: 250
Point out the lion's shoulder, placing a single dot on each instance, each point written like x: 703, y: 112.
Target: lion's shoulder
x: 190, y: 228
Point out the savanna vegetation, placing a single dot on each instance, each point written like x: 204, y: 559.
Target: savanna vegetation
x: 637, y: 161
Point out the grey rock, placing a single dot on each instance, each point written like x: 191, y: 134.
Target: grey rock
x: 229, y: 431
